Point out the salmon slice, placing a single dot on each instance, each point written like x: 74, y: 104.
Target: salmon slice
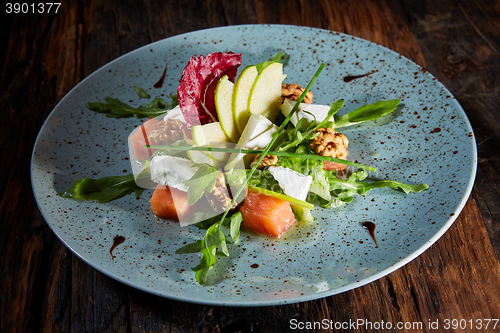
x: 169, y: 203
x: 140, y: 138
x: 266, y: 215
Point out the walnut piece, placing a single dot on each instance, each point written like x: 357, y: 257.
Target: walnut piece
x: 330, y: 143
x: 219, y: 198
x: 166, y: 131
x: 293, y: 91
x: 266, y: 161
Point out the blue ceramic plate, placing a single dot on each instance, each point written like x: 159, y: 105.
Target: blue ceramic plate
x: 428, y: 140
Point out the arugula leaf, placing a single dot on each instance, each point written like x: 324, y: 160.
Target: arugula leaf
x: 366, y: 113
x: 281, y: 57
x: 406, y: 188
x: 114, y: 108
x: 218, y: 237
x: 207, y: 261
x: 202, y: 181
x: 141, y: 92
x: 213, y: 244
x: 175, y: 101
x: 213, y: 238
x: 234, y: 224
x: 343, y: 190
x: 103, y: 189
x: 191, y: 247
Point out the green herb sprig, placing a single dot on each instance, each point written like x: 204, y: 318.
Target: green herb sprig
x: 270, y: 152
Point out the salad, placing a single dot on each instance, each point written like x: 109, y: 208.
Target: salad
x: 235, y: 150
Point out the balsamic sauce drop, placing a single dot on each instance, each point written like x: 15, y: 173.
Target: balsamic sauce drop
x: 354, y: 77
x: 370, y: 226
x: 159, y: 84
x: 116, y: 241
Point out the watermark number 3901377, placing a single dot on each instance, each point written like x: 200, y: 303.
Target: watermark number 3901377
x: 32, y: 8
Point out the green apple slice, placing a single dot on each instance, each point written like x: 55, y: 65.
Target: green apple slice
x: 223, y: 105
x: 241, y: 94
x: 217, y: 159
x: 198, y: 157
x: 208, y: 133
x: 265, y: 96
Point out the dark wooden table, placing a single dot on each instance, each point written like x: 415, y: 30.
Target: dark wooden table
x: 43, y: 286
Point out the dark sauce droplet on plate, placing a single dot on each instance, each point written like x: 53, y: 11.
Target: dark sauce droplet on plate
x: 370, y: 226
x: 159, y: 84
x: 254, y: 265
x: 349, y: 78
x: 116, y: 241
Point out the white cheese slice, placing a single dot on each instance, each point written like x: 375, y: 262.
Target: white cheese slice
x: 172, y: 171
x: 294, y: 184
x: 319, y: 111
x: 138, y: 166
x: 175, y: 113
x: 257, y: 134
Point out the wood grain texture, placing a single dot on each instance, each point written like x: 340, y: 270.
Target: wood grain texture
x: 44, y: 287
x: 462, y: 47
